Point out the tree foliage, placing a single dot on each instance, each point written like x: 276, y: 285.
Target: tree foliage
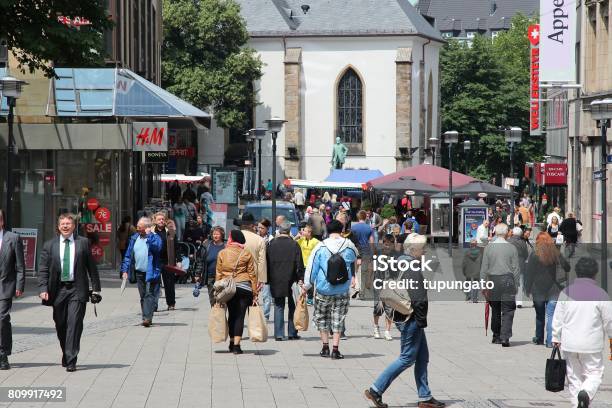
x: 485, y: 86
x: 35, y: 35
x: 205, y: 60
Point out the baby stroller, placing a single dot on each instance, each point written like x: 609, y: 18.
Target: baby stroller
x: 187, y: 254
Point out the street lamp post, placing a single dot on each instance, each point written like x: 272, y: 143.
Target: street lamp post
x: 450, y: 137
x: 10, y: 88
x: 275, y: 125
x: 601, y: 110
x: 467, y: 145
x: 434, y: 142
x: 249, y: 163
x: 258, y: 134
x: 513, y: 135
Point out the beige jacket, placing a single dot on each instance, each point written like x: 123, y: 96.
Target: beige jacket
x: 257, y: 247
x: 236, y: 262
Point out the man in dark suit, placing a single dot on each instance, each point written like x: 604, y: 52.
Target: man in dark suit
x: 12, y: 282
x: 65, y: 267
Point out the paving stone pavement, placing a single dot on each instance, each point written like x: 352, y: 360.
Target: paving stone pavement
x: 174, y: 364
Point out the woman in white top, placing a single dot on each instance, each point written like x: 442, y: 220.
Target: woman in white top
x: 583, y: 317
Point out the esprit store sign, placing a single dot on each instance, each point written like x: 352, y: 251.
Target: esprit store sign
x: 150, y: 136
x: 535, y: 127
x: 558, y: 40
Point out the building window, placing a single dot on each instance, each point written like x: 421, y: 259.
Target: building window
x: 470, y: 35
x: 495, y: 33
x: 350, y: 107
x: 447, y: 34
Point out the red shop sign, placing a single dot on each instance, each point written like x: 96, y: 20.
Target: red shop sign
x: 92, y: 204
x: 555, y: 174
x: 103, y: 215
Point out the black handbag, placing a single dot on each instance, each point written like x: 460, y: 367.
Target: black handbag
x: 555, y: 372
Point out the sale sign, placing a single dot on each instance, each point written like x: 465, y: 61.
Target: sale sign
x: 97, y: 252
x: 105, y: 228
x: 28, y: 238
x: 103, y: 215
x: 92, y: 204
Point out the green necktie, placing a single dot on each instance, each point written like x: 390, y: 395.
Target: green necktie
x: 66, y: 264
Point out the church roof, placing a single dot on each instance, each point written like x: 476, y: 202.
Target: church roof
x: 475, y: 15
x: 280, y: 18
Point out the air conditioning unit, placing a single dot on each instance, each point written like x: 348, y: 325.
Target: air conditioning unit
x: 3, y: 52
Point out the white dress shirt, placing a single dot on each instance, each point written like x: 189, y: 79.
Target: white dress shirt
x: 72, y: 254
x: 1, y: 236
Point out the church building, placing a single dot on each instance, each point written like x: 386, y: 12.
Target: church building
x: 363, y: 70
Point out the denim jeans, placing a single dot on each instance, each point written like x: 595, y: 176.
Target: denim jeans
x: 148, y: 300
x: 279, y: 317
x: 545, y: 310
x: 550, y: 312
x: 413, y: 351
x: 266, y: 299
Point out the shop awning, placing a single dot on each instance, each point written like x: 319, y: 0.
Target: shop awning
x: 181, y: 178
x: 353, y: 175
x: 477, y: 187
x: 119, y: 92
x: 425, y: 173
x: 331, y: 185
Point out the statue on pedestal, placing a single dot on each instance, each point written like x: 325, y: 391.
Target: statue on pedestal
x: 339, y: 153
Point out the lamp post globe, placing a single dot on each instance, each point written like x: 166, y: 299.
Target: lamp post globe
x: 275, y: 125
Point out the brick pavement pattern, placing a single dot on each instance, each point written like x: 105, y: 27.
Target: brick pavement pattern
x: 174, y: 364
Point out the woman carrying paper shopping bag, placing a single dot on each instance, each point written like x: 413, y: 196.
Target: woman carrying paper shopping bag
x: 237, y: 264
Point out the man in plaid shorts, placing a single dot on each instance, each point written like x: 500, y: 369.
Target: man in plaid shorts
x: 331, y: 300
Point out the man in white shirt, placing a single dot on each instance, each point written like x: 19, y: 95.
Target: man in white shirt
x: 583, y: 316
x: 64, y: 272
x: 482, y: 233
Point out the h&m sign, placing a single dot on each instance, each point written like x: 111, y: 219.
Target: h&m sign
x: 150, y: 136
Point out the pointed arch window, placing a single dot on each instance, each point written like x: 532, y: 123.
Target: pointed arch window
x: 350, y: 108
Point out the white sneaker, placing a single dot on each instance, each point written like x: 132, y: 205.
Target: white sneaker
x: 376, y: 332
x: 388, y: 335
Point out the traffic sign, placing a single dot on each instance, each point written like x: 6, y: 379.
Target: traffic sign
x: 599, y: 175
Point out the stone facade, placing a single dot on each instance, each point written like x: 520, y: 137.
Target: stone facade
x: 403, y: 109
x: 584, y: 149
x: 293, y: 139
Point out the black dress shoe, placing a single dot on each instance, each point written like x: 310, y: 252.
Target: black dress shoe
x: 279, y: 339
x: 506, y: 343
x: 431, y: 403
x: 237, y: 349
x: 296, y: 337
x: 583, y: 399
x: 71, y: 368
x: 337, y: 355
x: 64, y: 362
x: 324, y: 352
x: 231, y: 347
x: 4, y: 364
x: 496, y: 340
x: 375, y: 397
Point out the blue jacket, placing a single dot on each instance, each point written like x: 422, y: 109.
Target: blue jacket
x: 316, y: 272
x: 154, y: 243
